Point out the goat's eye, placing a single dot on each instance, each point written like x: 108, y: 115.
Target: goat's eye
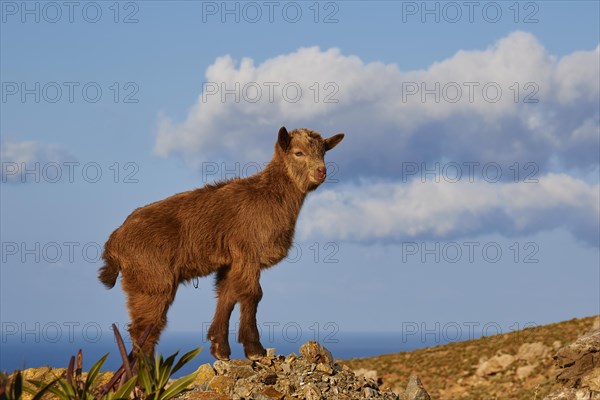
x: 298, y: 154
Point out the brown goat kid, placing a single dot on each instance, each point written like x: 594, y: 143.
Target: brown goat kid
x: 234, y: 228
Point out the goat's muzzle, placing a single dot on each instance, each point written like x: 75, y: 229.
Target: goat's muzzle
x: 320, y: 174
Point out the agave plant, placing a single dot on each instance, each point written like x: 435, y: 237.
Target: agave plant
x: 72, y: 386
x: 153, y: 375
x: 11, y: 388
x: 152, y: 379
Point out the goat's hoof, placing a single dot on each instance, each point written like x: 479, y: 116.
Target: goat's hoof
x: 221, y: 357
x: 254, y: 351
x: 220, y: 352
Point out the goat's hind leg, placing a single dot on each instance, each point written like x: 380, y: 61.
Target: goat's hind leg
x: 249, y: 293
x: 218, y: 333
x: 147, y: 309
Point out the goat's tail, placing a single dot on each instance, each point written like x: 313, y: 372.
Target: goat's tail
x: 109, y: 273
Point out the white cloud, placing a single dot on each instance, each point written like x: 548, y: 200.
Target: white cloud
x: 395, y: 212
x: 18, y: 156
x: 385, y: 121
x: 547, y: 114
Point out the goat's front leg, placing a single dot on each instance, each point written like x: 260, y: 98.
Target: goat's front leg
x: 248, y: 334
x: 244, y: 280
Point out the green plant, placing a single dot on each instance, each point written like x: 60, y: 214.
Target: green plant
x: 11, y: 388
x: 153, y: 375
x: 71, y: 386
x: 152, y: 378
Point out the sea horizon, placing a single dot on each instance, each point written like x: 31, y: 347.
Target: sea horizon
x: 22, y: 352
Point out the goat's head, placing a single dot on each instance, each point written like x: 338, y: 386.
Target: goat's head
x: 303, y: 153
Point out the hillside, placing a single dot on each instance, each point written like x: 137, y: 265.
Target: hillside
x: 517, y: 365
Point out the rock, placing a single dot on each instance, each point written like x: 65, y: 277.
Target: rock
x: 573, y: 394
x: 592, y: 379
x: 325, y: 368
x: 312, y: 375
x: 366, y: 373
x: 243, y: 389
x: 286, y: 368
x: 415, y: 390
x: 579, y: 359
x: 579, y: 369
x: 268, y: 393
x: 206, y: 396
x: 313, y: 352
x: 222, y: 367
x: 532, y: 352
x: 205, y: 374
x: 596, y: 324
x: 524, y: 371
x: 268, y: 378
x: 494, y: 365
x: 222, y: 384
x: 240, y: 371
x: 310, y: 391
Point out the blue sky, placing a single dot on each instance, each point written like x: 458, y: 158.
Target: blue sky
x: 466, y: 189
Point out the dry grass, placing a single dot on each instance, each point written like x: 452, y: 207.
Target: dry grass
x: 448, y: 371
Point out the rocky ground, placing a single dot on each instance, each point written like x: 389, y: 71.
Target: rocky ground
x: 552, y: 362
x: 530, y: 364
x: 312, y: 375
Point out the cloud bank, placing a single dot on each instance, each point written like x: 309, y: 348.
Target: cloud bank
x: 445, y: 210
x: 511, y: 105
x: 510, y: 102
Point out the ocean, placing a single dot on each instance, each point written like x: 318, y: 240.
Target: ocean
x: 17, y: 352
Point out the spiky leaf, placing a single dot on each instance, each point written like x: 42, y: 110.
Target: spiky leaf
x: 179, y: 386
x: 187, y: 357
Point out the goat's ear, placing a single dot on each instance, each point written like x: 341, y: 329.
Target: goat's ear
x: 333, y: 141
x: 284, y: 139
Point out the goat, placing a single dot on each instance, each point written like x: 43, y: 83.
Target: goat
x: 233, y: 228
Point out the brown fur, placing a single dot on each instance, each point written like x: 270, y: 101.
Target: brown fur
x: 233, y: 228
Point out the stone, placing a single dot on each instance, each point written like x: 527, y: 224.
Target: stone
x: 591, y: 380
x: 286, y: 368
x: 325, y: 368
x: 524, y: 371
x: 222, y: 367
x: 268, y: 393
x: 205, y: 374
x: 243, y: 389
x: 222, y: 384
x: 415, y: 390
x: 195, y: 395
x: 310, y: 391
x: 494, y: 365
x: 366, y: 373
x: 573, y: 394
x: 532, y: 352
x: 579, y: 369
x: 240, y: 371
x: 268, y: 378
x: 313, y: 352
x: 291, y: 358
x: 313, y: 375
x: 557, y: 344
x: 578, y: 359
